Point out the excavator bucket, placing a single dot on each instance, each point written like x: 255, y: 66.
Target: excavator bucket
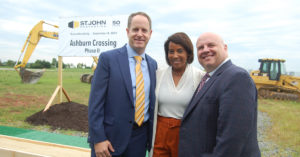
x: 31, y: 77
x: 86, y: 78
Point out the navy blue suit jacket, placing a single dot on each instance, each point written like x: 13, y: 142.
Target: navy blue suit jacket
x: 221, y: 120
x: 111, y: 104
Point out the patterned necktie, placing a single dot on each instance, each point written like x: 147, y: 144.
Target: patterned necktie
x: 202, y: 82
x: 139, y: 92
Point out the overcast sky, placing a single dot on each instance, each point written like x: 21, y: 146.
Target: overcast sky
x: 252, y: 29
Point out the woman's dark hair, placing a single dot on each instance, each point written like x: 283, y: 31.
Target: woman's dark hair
x: 182, y: 39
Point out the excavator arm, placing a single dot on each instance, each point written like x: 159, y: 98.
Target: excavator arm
x: 30, y: 44
x: 96, y: 62
x: 32, y: 40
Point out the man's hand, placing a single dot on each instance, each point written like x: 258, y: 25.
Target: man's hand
x: 102, y: 149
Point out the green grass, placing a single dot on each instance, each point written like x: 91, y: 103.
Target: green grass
x: 19, y: 101
x: 285, y: 117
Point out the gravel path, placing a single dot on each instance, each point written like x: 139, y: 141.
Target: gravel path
x: 267, y: 148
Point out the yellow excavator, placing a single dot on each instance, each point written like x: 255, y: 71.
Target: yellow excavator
x: 272, y: 80
x: 30, y: 44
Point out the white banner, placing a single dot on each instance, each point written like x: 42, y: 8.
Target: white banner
x: 90, y: 36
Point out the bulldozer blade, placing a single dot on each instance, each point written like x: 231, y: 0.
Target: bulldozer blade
x: 31, y: 77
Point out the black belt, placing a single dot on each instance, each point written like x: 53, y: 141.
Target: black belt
x: 135, y: 126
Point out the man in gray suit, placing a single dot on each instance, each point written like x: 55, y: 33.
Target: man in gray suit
x: 221, y: 119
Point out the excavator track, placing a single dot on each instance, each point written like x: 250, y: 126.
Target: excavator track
x: 274, y: 93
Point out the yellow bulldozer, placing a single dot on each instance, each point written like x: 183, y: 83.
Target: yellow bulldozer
x: 30, y: 44
x: 272, y: 80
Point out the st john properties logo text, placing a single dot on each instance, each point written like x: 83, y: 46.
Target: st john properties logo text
x: 87, y: 24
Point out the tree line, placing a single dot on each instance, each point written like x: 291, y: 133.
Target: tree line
x: 41, y: 64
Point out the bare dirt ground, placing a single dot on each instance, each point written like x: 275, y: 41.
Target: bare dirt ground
x: 67, y: 115
x: 12, y: 99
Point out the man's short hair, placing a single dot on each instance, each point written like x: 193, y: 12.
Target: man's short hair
x: 138, y: 13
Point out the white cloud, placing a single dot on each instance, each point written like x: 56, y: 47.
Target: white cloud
x: 14, y: 27
x: 252, y: 28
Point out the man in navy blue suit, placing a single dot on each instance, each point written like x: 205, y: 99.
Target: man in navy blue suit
x: 115, y: 129
x: 221, y: 119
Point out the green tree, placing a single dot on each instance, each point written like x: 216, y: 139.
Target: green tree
x: 38, y: 64
x: 10, y: 63
x: 68, y: 66
x: 54, y: 62
x: 79, y: 65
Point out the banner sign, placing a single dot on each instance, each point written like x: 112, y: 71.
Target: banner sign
x: 90, y: 36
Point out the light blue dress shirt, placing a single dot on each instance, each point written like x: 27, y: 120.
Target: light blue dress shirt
x: 145, y: 70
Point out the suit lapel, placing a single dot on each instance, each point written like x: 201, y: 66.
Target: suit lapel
x: 151, y: 69
x: 199, y: 95
x: 124, y: 68
x: 152, y: 75
x: 196, y: 98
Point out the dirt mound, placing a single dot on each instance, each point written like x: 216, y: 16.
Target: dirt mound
x: 67, y: 115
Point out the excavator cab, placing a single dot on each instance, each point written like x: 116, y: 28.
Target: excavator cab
x: 273, y: 68
x: 31, y: 42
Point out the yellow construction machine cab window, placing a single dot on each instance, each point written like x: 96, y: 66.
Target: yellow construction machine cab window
x: 283, y: 68
x: 274, y: 70
x: 273, y: 67
x: 265, y: 67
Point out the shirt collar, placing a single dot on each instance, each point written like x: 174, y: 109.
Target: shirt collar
x: 211, y: 73
x: 131, y: 52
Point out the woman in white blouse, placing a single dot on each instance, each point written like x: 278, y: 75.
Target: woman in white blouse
x: 174, y: 89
